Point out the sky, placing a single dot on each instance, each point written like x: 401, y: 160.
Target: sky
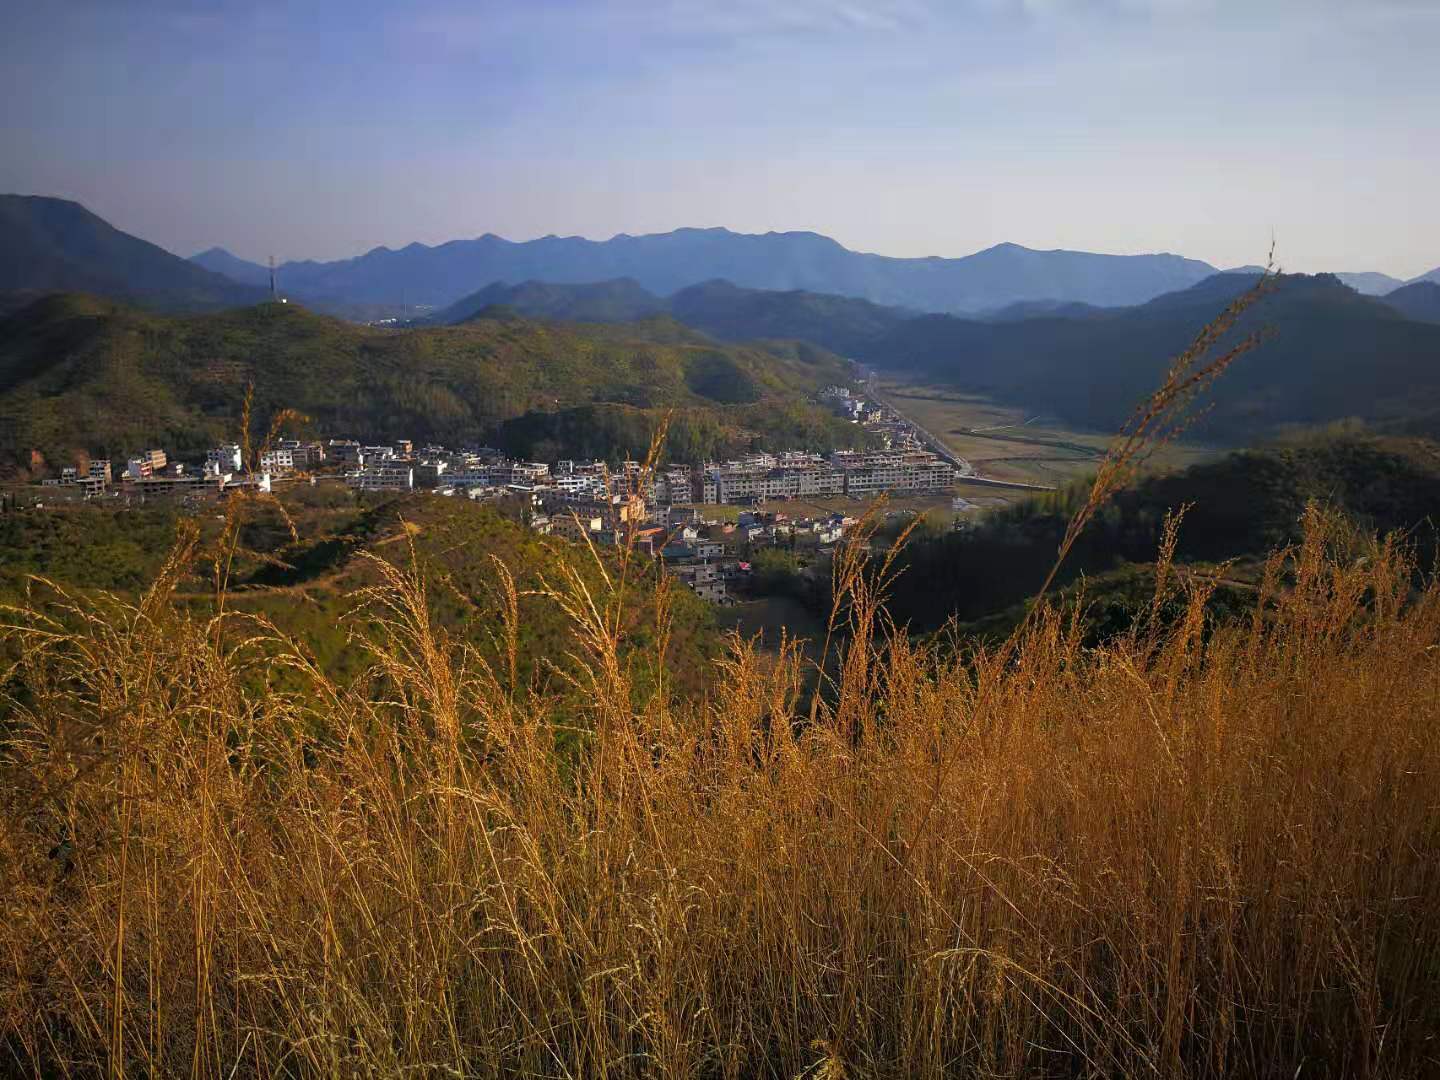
x: 904, y: 127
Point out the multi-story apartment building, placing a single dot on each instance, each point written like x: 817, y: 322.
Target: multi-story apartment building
x: 76, y: 483
x: 499, y: 474
x: 675, y: 485
x: 429, y: 472
x: 304, y: 455
x: 345, y: 451
x: 704, y: 580
x: 869, y: 473
x: 100, y: 470
x: 224, y: 458
x: 385, y: 476
x: 769, y: 476
x: 277, y: 461
x: 147, y: 464
x: 184, y: 486
x: 569, y: 524
x: 613, y: 511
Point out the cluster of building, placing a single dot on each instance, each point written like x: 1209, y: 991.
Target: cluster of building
x: 153, y: 474
x: 751, y: 479
x: 859, y: 474
x: 659, y: 512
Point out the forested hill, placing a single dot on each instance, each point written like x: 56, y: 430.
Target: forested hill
x: 1420, y: 300
x: 718, y: 308
x: 1330, y: 354
x: 50, y: 245
x: 1240, y: 507
x: 621, y: 300
x: 308, y: 583
x: 79, y: 374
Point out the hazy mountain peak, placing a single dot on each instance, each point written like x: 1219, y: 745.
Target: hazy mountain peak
x: 664, y: 263
x: 57, y: 245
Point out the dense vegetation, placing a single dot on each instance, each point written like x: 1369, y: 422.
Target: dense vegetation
x: 621, y: 300
x: 843, y: 324
x: 1200, y: 849
x: 1330, y: 354
x: 306, y: 584
x: 84, y: 375
x: 1240, y: 507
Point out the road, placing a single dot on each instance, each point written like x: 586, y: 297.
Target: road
x: 966, y: 470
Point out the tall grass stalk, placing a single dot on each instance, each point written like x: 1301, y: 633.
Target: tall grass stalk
x: 1200, y: 850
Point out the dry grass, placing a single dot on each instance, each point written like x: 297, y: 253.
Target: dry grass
x: 1200, y: 850
x: 1195, y: 852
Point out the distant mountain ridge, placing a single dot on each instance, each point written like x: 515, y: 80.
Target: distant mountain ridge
x: 1418, y: 300
x: 1370, y: 283
x: 621, y: 300
x: 719, y: 308
x: 54, y: 245
x: 663, y: 263
x: 1330, y: 354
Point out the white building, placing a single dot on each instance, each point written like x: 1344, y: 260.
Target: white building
x: 224, y: 458
x: 870, y: 473
x: 277, y: 461
x: 382, y: 477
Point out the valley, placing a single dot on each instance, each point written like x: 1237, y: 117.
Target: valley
x: 1012, y: 444
x: 759, y: 540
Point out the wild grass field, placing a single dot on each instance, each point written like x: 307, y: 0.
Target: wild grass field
x: 1199, y: 850
x: 1200, y: 846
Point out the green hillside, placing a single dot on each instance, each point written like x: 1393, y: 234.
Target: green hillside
x: 718, y: 308
x: 84, y: 375
x: 1330, y: 354
x: 309, y: 588
x: 621, y: 300
x: 1241, y: 506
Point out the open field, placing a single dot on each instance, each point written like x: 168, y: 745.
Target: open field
x: 1006, y: 443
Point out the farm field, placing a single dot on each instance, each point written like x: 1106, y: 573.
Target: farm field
x: 1007, y: 443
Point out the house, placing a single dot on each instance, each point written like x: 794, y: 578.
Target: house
x: 224, y: 458
x: 277, y: 461
x: 568, y: 525
x: 382, y: 477
x: 704, y: 580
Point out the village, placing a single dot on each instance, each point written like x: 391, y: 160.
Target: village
x: 704, y: 522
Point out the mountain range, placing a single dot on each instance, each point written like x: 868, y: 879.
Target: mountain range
x: 49, y: 245
x: 989, y: 281
x: 1330, y: 352
x: 665, y: 262
x: 53, y: 245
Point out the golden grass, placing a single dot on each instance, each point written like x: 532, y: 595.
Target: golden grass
x: 1197, y: 851
x: 1200, y: 850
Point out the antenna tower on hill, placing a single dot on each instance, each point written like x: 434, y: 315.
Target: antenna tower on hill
x: 273, y: 296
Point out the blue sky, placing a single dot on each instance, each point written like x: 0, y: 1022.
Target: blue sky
x: 907, y: 127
